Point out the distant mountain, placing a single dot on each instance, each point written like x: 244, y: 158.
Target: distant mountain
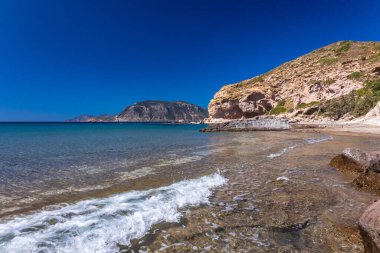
x: 91, y: 118
x: 152, y: 111
x: 162, y: 111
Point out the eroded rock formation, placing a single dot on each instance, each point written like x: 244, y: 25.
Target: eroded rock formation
x: 324, y: 74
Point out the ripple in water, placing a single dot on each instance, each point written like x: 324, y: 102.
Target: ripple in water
x: 283, y: 151
x: 320, y: 139
x: 100, y: 225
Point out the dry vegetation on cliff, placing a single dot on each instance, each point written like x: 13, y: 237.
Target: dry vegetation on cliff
x: 339, y: 80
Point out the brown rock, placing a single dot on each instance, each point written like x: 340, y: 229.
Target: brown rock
x: 310, y: 110
x: 369, y: 224
x: 351, y: 161
x: 376, y: 71
x: 369, y: 181
x: 366, y: 165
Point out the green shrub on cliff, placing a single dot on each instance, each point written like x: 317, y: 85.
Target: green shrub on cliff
x: 328, y: 81
x: 257, y: 79
x: 340, y: 106
x: 357, y: 103
x: 343, y: 47
x: 305, y: 105
x: 376, y: 57
x: 374, y: 85
x: 355, y: 75
x: 327, y: 61
x: 280, y: 108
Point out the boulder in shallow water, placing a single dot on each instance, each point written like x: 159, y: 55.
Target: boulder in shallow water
x: 356, y: 160
x: 366, y: 165
x: 369, y: 224
x: 351, y: 160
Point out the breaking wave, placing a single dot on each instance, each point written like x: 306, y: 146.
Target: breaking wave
x: 101, y: 225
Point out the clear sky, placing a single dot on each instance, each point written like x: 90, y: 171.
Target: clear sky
x: 62, y: 58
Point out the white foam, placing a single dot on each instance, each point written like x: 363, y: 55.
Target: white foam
x: 99, y: 225
x: 181, y: 160
x: 282, y: 178
x: 316, y: 140
x: 283, y: 151
x: 142, y: 172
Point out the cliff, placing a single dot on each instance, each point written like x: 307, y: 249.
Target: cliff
x: 162, y: 111
x: 341, y: 80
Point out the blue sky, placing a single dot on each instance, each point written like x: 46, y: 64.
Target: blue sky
x: 59, y: 59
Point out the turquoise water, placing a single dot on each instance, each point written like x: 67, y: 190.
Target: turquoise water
x: 92, y: 187
x: 47, y: 158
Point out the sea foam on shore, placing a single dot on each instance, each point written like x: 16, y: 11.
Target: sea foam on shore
x: 100, y: 225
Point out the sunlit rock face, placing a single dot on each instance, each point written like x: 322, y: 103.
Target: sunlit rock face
x: 324, y: 74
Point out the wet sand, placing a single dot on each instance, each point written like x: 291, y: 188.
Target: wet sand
x: 346, y: 127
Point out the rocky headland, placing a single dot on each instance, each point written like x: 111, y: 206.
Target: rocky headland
x: 152, y: 111
x: 338, y: 82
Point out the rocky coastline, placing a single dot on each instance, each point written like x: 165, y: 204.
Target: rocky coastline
x: 252, y: 124
x: 362, y: 166
x: 337, y: 82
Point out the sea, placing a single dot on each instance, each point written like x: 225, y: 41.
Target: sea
x: 106, y: 187
x: 90, y: 186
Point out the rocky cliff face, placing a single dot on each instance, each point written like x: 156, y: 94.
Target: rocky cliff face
x: 308, y: 82
x: 161, y: 111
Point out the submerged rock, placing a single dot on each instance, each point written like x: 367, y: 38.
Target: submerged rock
x: 358, y: 162
x: 351, y: 160
x: 366, y: 165
x: 369, y: 224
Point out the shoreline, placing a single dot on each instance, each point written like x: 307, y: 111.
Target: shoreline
x: 279, y: 186
x: 278, y: 124
x: 352, y: 128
